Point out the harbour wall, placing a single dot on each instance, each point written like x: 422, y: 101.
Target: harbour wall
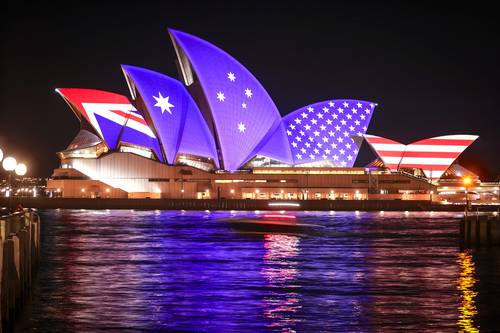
x: 19, y: 261
x: 236, y: 204
x: 480, y: 230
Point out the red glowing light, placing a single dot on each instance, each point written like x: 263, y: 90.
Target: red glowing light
x: 279, y: 216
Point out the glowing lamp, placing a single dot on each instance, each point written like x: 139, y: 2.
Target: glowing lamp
x: 21, y: 169
x: 467, y: 180
x: 9, y: 163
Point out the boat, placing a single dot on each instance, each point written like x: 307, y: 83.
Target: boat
x: 277, y: 223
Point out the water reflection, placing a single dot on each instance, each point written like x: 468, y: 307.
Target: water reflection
x: 412, y: 274
x: 188, y: 271
x: 466, y: 282
x: 280, y: 271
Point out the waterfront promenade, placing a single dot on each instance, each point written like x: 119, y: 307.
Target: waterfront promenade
x: 234, y: 204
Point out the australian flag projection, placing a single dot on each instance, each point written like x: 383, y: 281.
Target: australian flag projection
x: 243, y: 113
x: 174, y: 116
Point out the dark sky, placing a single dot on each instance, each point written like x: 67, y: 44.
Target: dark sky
x: 432, y: 70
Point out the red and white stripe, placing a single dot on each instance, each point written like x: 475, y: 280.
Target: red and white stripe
x: 389, y: 151
x: 434, y: 156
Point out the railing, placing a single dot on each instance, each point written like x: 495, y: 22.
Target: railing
x: 19, y: 261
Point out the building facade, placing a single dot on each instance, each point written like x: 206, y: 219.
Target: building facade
x: 128, y: 175
x: 217, y: 133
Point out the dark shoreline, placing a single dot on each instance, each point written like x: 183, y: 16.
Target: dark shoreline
x: 232, y: 204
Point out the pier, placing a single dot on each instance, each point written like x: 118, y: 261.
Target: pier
x: 480, y: 229
x: 19, y: 261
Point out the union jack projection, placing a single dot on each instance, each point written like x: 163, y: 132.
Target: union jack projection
x: 434, y: 155
x: 112, y: 116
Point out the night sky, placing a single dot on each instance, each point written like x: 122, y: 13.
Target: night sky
x: 432, y: 70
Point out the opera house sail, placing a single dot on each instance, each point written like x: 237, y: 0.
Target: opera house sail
x: 433, y: 156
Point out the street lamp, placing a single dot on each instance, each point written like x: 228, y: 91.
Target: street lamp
x: 9, y: 164
x: 467, y: 181
x: 21, y: 169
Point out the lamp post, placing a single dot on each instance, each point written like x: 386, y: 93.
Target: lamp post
x: 21, y: 170
x: 9, y: 164
x: 467, y: 181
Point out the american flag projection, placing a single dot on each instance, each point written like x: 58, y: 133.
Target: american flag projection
x: 324, y: 131
x: 242, y: 111
x: 112, y: 116
x: 434, y: 156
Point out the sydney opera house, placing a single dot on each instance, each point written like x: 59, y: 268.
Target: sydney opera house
x: 216, y: 133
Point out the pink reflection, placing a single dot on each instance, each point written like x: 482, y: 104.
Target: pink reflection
x: 412, y: 281
x: 280, y: 270
x: 280, y: 246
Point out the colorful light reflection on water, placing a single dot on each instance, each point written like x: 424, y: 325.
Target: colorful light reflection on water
x: 466, y: 283
x: 192, y: 271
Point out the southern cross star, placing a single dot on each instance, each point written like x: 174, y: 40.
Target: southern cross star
x: 163, y: 103
x: 221, y: 97
x: 248, y: 93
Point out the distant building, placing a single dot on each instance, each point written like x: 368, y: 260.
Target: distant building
x: 218, y: 134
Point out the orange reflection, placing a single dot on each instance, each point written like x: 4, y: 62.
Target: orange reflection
x: 280, y: 270
x: 466, y: 281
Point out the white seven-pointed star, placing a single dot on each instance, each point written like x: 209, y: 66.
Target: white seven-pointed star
x: 231, y: 76
x: 244, y: 105
x: 241, y: 127
x: 248, y: 93
x: 221, y: 97
x: 163, y: 103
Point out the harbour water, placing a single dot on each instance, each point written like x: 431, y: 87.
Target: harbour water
x: 170, y: 271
